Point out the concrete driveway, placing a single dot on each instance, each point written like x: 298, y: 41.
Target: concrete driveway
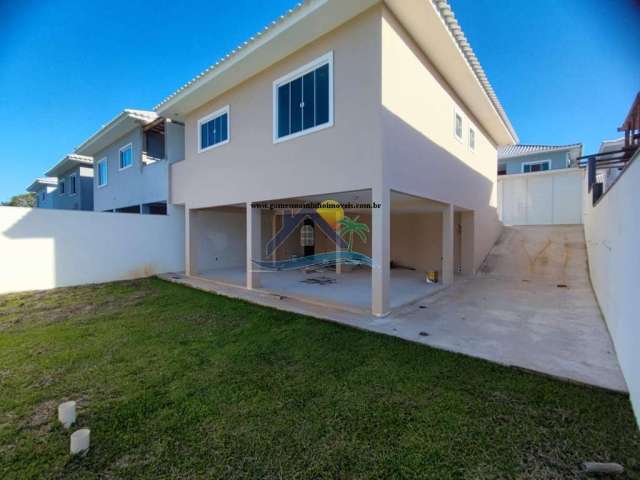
x: 531, y: 306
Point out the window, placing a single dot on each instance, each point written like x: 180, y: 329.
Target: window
x: 72, y: 185
x: 472, y: 139
x: 457, y: 125
x: 213, y: 130
x: 306, y: 236
x: 102, y: 172
x: 126, y: 156
x: 61, y: 187
x: 541, y: 166
x: 43, y: 195
x: 303, y: 100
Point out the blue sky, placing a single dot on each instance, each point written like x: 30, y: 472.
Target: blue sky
x: 566, y: 71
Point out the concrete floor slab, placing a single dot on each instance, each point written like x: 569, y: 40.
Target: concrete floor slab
x: 531, y: 306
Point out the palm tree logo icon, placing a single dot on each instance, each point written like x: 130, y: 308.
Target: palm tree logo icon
x: 350, y: 227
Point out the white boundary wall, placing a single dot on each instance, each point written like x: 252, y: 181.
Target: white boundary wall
x: 41, y: 248
x: 542, y: 198
x: 612, y: 232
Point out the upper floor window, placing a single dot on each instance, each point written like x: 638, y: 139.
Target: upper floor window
x: 43, y: 195
x: 540, y: 166
x: 303, y: 100
x: 126, y: 156
x: 73, y: 189
x: 213, y: 130
x: 472, y: 139
x: 102, y: 172
x: 457, y: 125
x: 61, y: 187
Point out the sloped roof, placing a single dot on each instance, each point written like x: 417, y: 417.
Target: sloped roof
x: 38, y: 183
x: 122, y: 124
x: 520, y: 150
x: 311, y: 18
x: 69, y: 161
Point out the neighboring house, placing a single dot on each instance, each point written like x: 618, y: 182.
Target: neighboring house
x: 356, y: 102
x: 75, y: 179
x: 45, y: 189
x: 132, y: 154
x: 607, y: 175
x: 513, y: 159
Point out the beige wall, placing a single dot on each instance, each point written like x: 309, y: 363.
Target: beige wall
x: 217, y: 239
x: 416, y: 240
x: 251, y: 168
x: 421, y: 154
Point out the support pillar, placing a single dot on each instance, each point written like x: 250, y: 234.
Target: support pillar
x: 380, y: 251
x: 188, y: 253
x: 448, y: 235
x: 254, y: 245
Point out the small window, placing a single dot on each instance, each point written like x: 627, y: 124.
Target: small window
x: 61, y: 188
x: 531, y: 167
x: 102, y: 172
x: 213, y: 130
x: 472, y: 139
x: 43, y: 195
x: 126, y: 156
x: 303, y: 100
x: 457, y: 127
x: 306, y: 236
x: 72, y: 185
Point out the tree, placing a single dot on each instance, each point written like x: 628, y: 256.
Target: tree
x: 349, y: 226
x: 22, y: 200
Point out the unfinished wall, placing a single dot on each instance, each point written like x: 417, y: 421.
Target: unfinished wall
x: 42, y: 249
x: 416, y: 240
x: 612, y: 233
x: 218, y: 239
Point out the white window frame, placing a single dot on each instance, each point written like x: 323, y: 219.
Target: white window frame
x: 535, y: 162
x: 71, y: 194
x: 61, y: 188
x: 128, y: 145
x: 106, y: 170
x: 327, y: 58
x: 475, y: 138
x: 212, y: 116
x: 458, y: 113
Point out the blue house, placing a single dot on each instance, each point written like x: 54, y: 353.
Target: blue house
x: 514, y: 159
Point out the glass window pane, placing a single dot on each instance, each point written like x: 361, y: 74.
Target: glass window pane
x: 296, y: 101
x: 204, y: 142
x: 458, y: 125
x: 308, y: 91
x: 224, y: 128
x: 211, y: 133
x: 322, y: 95
x: 283, y: 111
x: 217, y: 130
x: 545, y: 166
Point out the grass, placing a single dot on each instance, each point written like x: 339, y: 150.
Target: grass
x: 177, y: 383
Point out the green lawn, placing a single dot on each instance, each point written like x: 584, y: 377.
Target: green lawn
x: 177, y: 383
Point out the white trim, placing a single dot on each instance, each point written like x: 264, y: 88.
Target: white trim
x: 75, y: 176
x: 208, y: 118
x: 106, y: 170
x: 327, y: 59
x: 457, y: 113
x: 128, y: 145
x: 472, y: 147
x: 535, y: 162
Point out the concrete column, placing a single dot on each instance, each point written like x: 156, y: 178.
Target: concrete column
x: 468, y: 243
x: 254, y: 245
x: 380, y: 251
x: 188, y: 267
x: 448, y: 233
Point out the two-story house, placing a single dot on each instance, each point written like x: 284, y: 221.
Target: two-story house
x: 373, y: 116
x: 514, y: 159
x: 44, y: 189
x: 132, y: 154
x: 74, y: 191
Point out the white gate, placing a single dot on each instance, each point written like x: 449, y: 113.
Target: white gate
x: 542, y: 198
